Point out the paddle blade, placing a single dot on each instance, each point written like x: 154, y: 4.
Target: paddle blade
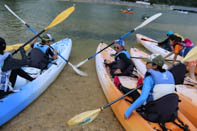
x: 148, y: 20
x: 191, y: 56
x: 15, y: 47
x: 84, y: 118
x: 81, y: 63
x: 79, y: 72
x: 62, y: 16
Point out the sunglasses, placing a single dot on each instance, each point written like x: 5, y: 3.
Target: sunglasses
x: 116, y: 47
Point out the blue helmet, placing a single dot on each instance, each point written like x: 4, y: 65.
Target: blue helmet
x: 170, y: 33
x: 120, y: 42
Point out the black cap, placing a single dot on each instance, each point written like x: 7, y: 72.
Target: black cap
x: 2, y: 44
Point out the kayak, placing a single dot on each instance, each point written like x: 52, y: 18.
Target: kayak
x: 187, y: 94
x: 28, y: 91
x: 154, y: 48
x: 135, y: 122
x: 127, y: 11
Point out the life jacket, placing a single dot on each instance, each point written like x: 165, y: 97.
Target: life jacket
x: 43, y: 48
x: 124, y: 52
x: 4, y: 76
x: 38, y: 59
x: 186, y: 47
x: 164, y: 84
x: 164, y: 105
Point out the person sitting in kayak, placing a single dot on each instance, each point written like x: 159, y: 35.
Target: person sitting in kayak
x: 41, y: 53
x: 122, y: 64
x: 9, y: 69
x: 182, y: 48
x: 158, y: 101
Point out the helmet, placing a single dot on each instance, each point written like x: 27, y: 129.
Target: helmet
x: 120, y: 42
x: 170, y: 33
x: 48, y: 37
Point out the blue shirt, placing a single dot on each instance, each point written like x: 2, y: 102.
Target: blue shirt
x: 147, y: 86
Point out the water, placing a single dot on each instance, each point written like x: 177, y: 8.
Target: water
x: 87, y: 26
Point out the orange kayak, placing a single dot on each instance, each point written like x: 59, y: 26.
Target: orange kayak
x: 154, y: 48
x: 135, y: 122
x: 187, y: 94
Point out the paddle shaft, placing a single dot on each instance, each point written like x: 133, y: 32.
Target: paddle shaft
x: 109, y: 104
x: 28, y: 41
x: 123, y: 36
x: 147, y: 58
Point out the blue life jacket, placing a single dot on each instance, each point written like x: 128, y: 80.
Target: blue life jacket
x: 43, y: 48
x: 124, y: 52
x: 4, y: 76
x: 164, y: 84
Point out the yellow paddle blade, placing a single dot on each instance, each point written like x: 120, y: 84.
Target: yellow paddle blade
x: 62, y: 16
x: 191, y: 56
x: 84, y: 118
x: 16, y: 46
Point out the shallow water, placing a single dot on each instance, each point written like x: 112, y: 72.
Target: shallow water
x: 87, y: 26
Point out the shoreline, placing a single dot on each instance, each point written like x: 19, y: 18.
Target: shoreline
x: 117, y: 2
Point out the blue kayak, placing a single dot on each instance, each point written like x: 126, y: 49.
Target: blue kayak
x: 14, y: 103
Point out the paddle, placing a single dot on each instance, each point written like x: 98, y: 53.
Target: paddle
x: 89, y: 116
x: 123, y: 36
x: 15, y: 46
x: 62, y: 16
x: 30, y: 28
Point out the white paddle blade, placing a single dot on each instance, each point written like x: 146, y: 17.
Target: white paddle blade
x: 84, y: 118
x: 148, y: 20
x: 81, y: 73
x: 81, y: 63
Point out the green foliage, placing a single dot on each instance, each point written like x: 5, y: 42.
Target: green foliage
x: 191, y: 3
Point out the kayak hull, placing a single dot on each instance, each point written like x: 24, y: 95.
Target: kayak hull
x: 16, y: 102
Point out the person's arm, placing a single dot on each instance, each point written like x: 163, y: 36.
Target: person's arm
x: 147, y: 86
x: 53, y: 53
x: 32, y: 43
x: 169, y: 54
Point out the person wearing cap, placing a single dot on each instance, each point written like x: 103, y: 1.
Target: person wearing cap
x: 41, y: 52
x: 158, y: 82
x: 122, y: 64
x: 9, y: 69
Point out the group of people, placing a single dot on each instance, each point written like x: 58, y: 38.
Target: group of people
x: 158, y: 89
x: 10, y: 67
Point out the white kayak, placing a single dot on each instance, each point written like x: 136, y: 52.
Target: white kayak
x: 14, y: 103
x: 153, y: 47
